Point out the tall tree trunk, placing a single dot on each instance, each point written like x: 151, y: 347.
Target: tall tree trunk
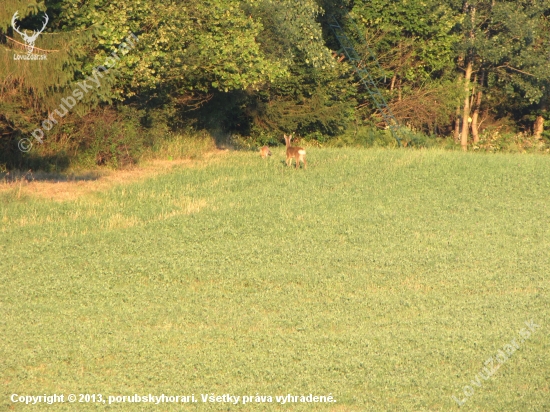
x: 475, y: 117
x: 457, y: 125
x: 473, y: 91
x: 477, y: 105
x: 399, y: 91
x: 538, y: 127
x: 466, y: 111
x: 456, y: 134
x: 392, y: 84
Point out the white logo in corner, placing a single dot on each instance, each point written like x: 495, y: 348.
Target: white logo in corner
x: 29, y: 40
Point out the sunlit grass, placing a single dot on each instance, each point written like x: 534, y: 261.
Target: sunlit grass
x: 383, y: 277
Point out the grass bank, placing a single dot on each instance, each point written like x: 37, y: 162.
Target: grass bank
x: 383, y: 277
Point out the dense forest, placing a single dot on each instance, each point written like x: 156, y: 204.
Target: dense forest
x: 106, y: 81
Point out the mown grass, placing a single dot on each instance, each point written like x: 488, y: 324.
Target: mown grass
x: 383, y: 277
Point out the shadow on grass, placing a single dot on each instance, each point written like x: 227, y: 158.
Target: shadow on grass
x: 13, y: 159
x: 15, y: 176
x: 35, y: 167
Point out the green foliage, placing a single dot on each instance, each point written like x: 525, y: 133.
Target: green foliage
x: 186, y: 144
x: 512, y: 51
x: 365, y: 137
x: 196, y: 47
x: 413, y: 39
x: 24, y: 7
x: 493, y: 140
x: 258, y: 68
x: 291, y: 25
x: 111, y: 141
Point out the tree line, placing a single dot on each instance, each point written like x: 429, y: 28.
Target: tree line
x: 452, y: 70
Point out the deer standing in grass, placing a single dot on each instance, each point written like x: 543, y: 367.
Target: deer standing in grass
x: 265, y: 152
x: 298, y: 153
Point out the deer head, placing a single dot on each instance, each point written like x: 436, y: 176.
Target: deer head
x: 28, y: 39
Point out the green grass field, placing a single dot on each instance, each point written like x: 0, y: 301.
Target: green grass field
x: 385, y: 278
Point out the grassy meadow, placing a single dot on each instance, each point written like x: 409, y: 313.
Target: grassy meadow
x: 385, y: 278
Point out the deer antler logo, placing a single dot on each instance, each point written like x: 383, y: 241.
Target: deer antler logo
x: 28, y: 39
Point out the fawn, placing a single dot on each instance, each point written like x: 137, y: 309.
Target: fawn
x: 264, y: 152
x: 298, y: 153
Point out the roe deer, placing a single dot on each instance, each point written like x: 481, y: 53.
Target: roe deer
x: 298, y: 153
x: 264, y: 152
